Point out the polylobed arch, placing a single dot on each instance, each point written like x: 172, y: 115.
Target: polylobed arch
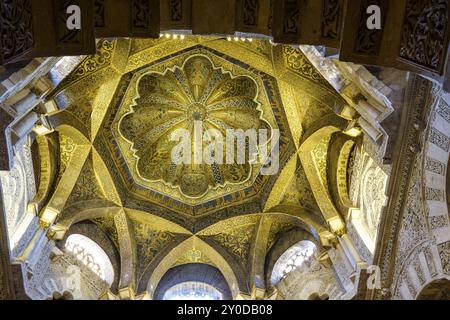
x: 339, y: 152
x: 46, y: 169
x: 282, y: 244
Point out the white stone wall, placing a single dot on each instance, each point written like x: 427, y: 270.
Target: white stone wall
x: 308, y: 280
x: 64, y: 273
x: 424, y: 241
x: 18, y: 188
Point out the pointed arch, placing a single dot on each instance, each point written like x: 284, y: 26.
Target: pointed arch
x: 155, y: 272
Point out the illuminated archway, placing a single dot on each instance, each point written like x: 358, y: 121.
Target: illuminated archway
x: 193, y: 290
x: 291, y: 259
x: 91, y: 255
x: 193, y: 281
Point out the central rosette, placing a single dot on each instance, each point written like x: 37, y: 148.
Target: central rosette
x: 196, y: 96
x: 197, y: 112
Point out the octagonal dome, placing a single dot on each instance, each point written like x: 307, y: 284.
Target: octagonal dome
x: 192, y: 88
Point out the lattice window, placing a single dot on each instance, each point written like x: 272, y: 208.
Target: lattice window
x: 91, y: 255
x: 193, y: 291
x: 294, y: 257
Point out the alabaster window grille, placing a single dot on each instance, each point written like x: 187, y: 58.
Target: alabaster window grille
x: 91, y: 255
x: 193, y: 291
x: 292, y: 259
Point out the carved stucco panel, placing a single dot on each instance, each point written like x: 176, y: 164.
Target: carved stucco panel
x: 19, y: 188
x: 368, y: 182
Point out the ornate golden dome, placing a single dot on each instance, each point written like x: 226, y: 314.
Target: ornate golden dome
x: 197, y: 91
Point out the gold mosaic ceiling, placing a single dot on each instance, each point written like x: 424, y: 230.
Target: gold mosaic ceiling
x: 195, y: 89
x: 130, y: 97
x: 120, y: 106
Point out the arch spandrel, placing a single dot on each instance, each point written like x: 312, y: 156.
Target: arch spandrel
x: 156, y: 222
